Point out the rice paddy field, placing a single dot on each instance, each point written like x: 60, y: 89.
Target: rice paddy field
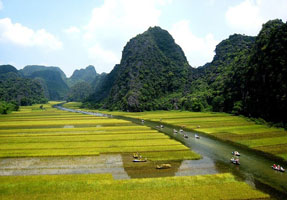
x: 95, y: 186
x: 50, y: 132
x: 237, y: 129
x: 42, y: 149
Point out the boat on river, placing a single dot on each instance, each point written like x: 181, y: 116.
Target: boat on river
x: 235, y: 153
x: 140, y: 160
x: 278, y: 168
x: 235, y: 161
x: 185, y: 136
x: 196, y: 136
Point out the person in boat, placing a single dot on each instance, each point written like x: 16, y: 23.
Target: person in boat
x: 274, y: 166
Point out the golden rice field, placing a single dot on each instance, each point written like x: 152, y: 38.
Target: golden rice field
x: 223, y: 126
x: 33, y: 132
x: 95, y: 186
x: 50, y: 132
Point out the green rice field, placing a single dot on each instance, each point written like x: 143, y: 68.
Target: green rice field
x: 50, y: 132
x: 223, y: 126
x: 95, y: 186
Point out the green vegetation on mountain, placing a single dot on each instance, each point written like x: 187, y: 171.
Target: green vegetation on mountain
x: 220, y: 83
x: 16, y: 90
x: 246, y: 76
x: 30, y: 69
x: 83, y: 75
x: 152, y: 67
x: 266, y: 79
x: 79, y: 92
x: 52, y: 81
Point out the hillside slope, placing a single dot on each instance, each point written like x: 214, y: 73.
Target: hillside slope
x: 152, y: 66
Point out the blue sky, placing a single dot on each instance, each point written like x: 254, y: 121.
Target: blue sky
x: 73, y: 34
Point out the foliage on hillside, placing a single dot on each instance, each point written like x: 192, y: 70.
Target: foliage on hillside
x: 79, y: 92
x: 16, y: 90
x: 152, y: 67
x: 53, y: 83
x: 7, y: 107
x: 266, y: 79
x: 246, y: 76
x: 88, y: 75
x: 30, y: 69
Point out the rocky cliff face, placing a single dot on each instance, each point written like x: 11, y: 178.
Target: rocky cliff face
x: 152, y: 66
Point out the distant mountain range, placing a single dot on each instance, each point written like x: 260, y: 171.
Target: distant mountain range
x: 52, y: 82
x: 248, y: 75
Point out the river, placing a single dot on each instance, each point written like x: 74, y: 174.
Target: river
x: 255, y: 169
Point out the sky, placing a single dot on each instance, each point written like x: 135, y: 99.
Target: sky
x: 73, y: 34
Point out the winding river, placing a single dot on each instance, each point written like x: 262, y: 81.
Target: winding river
x: 255, y: 169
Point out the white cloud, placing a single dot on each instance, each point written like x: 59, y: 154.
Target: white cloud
x: 198, y: 50
x: 248, y: 16
x: 103, y: 58
x: 72, y: 30
x: 116, y: 21
x: 24, y: 36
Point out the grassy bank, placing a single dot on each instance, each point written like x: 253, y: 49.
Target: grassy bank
x: 220, y: 186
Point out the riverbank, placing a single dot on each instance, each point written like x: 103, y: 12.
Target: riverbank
x: 269, y: 141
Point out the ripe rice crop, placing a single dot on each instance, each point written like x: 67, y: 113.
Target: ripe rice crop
x: 213, y: 187
x: 50, y: 132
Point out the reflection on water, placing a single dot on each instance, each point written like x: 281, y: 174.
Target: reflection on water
x: 112, y: 164
x: 69, y: 126
x: 196, y: 167
x: 147, y: 169
x: 120, y: 166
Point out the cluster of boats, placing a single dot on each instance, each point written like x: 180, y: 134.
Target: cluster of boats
x: 184, y: 135
x: 235, y: 160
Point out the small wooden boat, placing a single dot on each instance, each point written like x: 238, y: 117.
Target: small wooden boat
x: 235, y: 153
x: 180, y: 130
x: 278, y: 168
x: 163, y: 166
x: 196, y: 136
x: 140, y: 160
x: 185, y: 136
x: 235, y: 161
